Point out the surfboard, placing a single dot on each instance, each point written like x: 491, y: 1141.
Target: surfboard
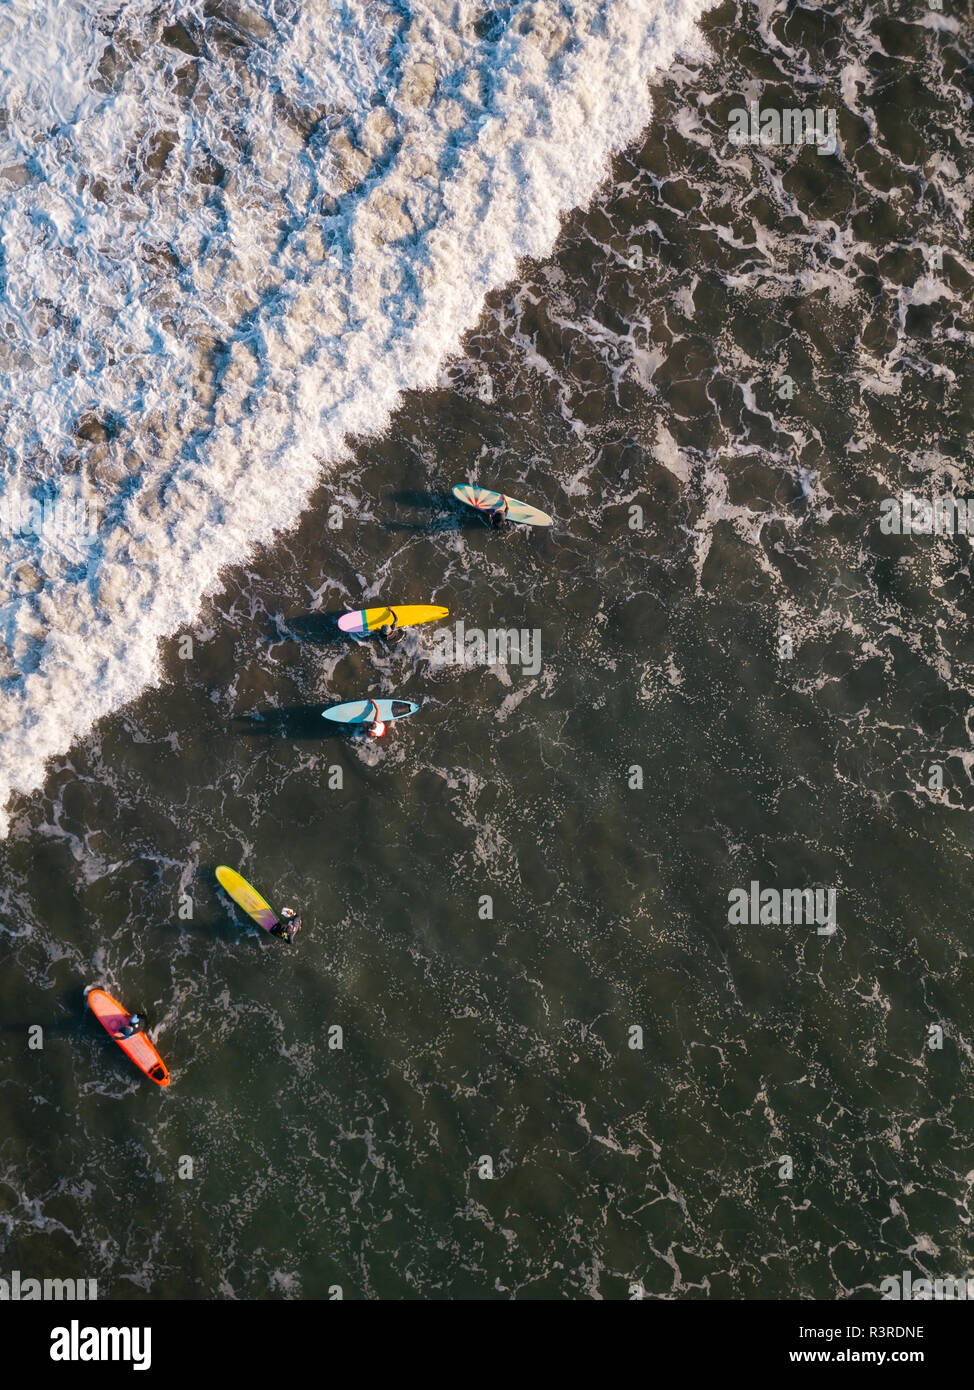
x: 246, y: 897
x: 408, y: 615
x: 361, y: 712
x: 483, y: 500
x: 113, y: 1017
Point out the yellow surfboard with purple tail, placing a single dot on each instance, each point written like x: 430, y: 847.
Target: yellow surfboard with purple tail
x: 246, y: 897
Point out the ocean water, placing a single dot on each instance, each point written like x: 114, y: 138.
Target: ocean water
x: 273, y: 278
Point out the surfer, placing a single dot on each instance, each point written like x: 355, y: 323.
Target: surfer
x: 130, y: 1027
x: 289, y: 928
x: 499, y: 519
x: 377, y: 728
x: 391, y: 632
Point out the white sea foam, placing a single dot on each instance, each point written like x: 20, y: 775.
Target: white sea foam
x: 220, y: 266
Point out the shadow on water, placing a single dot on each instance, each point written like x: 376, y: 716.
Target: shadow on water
x: 310, y: 627
x: 288, y: 721
x: 447, y: 514
x: 69, y: 1017
x: 231, y: 930
x: 425, y: 501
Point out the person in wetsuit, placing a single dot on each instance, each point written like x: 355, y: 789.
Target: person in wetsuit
x: 288, y: 928
x: 499, y: 519
x: 391, y: 632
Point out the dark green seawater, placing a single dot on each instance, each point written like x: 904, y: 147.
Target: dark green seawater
x: 722, y: 620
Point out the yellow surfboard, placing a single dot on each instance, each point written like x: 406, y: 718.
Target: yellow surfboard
x: 364, y: 620
x: 246, y: 897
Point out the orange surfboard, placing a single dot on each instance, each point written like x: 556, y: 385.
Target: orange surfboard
x: 113, y: 1017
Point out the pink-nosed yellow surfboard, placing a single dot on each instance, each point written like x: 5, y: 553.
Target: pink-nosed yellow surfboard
x: 407, y: 615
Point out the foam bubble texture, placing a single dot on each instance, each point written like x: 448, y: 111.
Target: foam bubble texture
x: 232, y: 234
